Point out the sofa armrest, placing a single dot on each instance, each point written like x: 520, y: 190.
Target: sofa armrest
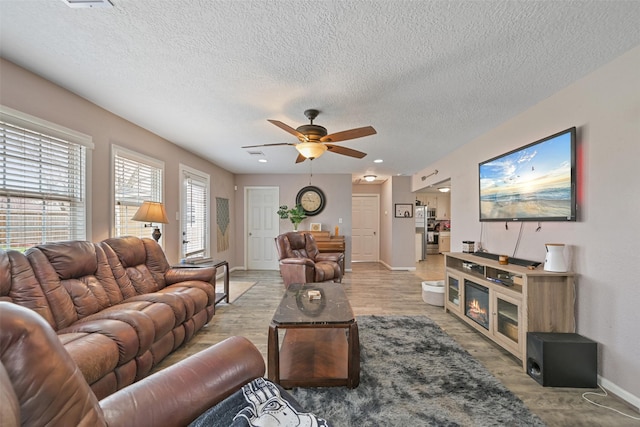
x: 182, y: 274
x: 178, y: 394
x: 330, y: 256
x: 298, y: 261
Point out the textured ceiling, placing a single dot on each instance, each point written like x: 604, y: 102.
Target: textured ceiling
x: 428, y: 75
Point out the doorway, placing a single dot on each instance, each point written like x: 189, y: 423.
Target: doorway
x: 262, y: 227
x: 365, y: 228
x: 436, y: 237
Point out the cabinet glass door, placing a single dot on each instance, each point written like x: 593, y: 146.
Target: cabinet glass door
x: 454, y: 290
x: 507, y: 319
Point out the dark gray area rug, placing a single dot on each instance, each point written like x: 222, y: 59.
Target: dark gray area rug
x: 413, y: 374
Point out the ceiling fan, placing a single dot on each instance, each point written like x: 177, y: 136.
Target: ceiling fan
x: 314, y: 141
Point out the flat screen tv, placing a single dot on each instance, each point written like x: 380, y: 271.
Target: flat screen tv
x: 536, y: 182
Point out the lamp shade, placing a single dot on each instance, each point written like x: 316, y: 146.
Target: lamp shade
x: 311, y: 150
x: 151, y: 212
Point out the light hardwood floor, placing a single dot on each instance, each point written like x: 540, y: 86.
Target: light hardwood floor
x: 374, y: 290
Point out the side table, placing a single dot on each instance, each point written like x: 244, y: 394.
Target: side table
x: 217, y: 263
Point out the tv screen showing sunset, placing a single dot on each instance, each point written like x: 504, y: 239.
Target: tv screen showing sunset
x: 534, y: 182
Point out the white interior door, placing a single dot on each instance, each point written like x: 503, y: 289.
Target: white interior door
x: 262, y: 227
x: 365, y: 227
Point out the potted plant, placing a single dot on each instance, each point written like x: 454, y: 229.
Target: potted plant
x: 295, y: 215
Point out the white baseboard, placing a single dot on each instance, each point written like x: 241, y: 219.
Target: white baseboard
x: 632, y: 400
x: 388, y: 267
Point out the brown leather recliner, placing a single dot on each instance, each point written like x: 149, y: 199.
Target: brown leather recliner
x: 40, y: 384
x: 302, y: 262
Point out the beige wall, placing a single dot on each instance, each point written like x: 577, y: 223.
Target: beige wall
x: 30, y: 94
x: 603, y: 243
x: 337, y: 191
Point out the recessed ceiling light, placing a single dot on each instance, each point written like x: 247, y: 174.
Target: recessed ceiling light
x: 88, y: 3
x: 262, y: 160
x: 378, y: 161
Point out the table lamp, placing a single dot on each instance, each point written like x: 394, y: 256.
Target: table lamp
x: 152, y: 212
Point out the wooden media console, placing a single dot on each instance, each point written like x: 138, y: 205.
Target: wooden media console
x: 515, y: 299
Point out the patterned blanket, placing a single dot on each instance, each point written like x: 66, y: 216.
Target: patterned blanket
x: 259, y: 403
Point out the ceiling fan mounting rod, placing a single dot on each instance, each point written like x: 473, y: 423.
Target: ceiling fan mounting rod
x: 311, y: 114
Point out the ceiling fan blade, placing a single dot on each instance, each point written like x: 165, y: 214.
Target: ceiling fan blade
x: 287, y: 128
x: 338, y: 149
x: 300, y: 158
x: 349, y: 134
x: 267, y: 145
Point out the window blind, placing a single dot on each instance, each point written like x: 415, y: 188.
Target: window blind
x: 42, y: 186
x: 137, y: 178
x: 195, y: 228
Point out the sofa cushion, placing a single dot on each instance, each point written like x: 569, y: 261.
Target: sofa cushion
x: 95, y: 354
x: 24, y: 288
x: 76, y: 279
x: 130, y: 250
x: 71, y: 259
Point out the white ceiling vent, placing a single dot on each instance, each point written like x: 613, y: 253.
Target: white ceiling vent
x: 255, y: 152
x: 88, y: 3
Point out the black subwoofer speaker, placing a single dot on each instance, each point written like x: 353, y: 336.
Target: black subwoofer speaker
x: 562, y: 359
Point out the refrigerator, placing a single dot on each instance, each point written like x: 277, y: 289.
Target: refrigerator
x: 425, y: 223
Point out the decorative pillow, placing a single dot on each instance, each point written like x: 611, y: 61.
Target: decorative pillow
x: 259, y: 403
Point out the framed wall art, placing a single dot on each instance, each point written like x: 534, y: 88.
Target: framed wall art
x: 316, y: 226
x: 404, y: 210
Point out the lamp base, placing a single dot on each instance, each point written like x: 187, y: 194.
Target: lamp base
x: 156, y: 234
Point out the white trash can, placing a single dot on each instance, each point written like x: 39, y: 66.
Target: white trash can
x: 433, y: 292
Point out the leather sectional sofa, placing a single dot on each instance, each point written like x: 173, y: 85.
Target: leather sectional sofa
x: 117, y: 306
x: 41, y: 385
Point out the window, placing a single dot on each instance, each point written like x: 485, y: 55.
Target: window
x: 136, y: 178
x: 195, y: 212
x: 43, y: 181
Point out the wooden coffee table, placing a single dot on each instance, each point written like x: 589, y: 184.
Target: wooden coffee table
x: 320, y: 344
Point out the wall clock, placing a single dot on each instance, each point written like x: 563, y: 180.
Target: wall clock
x: 311, y: 199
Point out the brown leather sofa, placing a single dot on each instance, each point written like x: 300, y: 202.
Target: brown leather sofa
x: 117, y: 306
x: 301, y: 261
x: 40, y: 384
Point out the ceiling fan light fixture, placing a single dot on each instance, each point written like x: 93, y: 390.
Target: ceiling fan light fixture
x: 311, y: 150
x: 444, y: 189
x: 370, y: 178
